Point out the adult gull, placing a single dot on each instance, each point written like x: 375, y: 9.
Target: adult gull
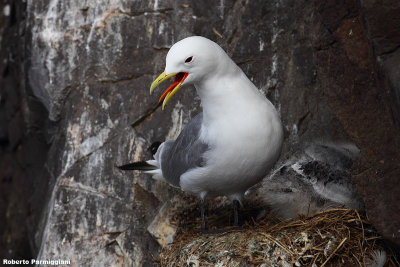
x: 228, y: 147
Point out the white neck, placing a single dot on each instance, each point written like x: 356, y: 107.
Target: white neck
x: 231, y: 93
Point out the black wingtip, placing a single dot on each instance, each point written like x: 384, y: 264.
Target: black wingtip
x: 140, y: 165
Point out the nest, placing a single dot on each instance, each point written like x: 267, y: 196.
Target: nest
x: 335, y: 237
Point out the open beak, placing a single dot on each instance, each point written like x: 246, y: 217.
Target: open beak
x: 175, y: 86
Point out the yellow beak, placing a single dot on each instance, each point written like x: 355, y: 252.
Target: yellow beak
x: 176, y: 85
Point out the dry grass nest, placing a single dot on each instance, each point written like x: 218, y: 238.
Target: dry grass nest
x: 335, y: 237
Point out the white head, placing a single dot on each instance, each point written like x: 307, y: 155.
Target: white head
x: 197, y: 56
x: 192, y: 60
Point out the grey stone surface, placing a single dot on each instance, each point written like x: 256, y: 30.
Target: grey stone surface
x: 383, y: 26
x: 324, y: 64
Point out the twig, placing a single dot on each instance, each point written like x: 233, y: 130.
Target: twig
x: 358, y: 220
x: 361, y: 251
x: 315, y: 259
x: 333, y: 253
x: 146, y: 114
x: 217, y: 33
x: 373, y: 238
x: 330, y: 210
x: 362, y: 226
x: 278, y: 243
x: 356, y: 259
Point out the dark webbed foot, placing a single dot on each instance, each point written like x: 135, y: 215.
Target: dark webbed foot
x: 236, y: 213
x: 203, y: 212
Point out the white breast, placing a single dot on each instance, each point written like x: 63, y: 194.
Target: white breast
x: 245, y: 135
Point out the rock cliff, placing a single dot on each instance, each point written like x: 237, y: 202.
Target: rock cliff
x: 74, y: 102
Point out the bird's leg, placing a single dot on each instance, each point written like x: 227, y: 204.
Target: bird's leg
x: 203, y: 211
x: 235, y: 213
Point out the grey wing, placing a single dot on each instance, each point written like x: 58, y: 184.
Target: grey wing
x: 185, y: 153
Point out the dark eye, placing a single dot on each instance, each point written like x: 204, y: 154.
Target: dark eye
x: 188, y: 59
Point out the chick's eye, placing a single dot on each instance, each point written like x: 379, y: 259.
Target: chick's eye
x: 188, y: 59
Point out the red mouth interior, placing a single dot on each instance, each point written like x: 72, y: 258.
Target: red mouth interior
x: 179, y: 78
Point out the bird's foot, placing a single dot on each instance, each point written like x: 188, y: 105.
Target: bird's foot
x: 236, y: 213
x: 203, y: 212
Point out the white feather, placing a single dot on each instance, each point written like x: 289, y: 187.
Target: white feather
x: 378, y: 259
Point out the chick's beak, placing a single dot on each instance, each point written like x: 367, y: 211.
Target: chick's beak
x: 172, y: 89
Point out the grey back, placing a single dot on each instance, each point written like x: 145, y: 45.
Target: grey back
x: 185, y: 153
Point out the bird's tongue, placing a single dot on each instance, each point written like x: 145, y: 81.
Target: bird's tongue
x: 179, y: 78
